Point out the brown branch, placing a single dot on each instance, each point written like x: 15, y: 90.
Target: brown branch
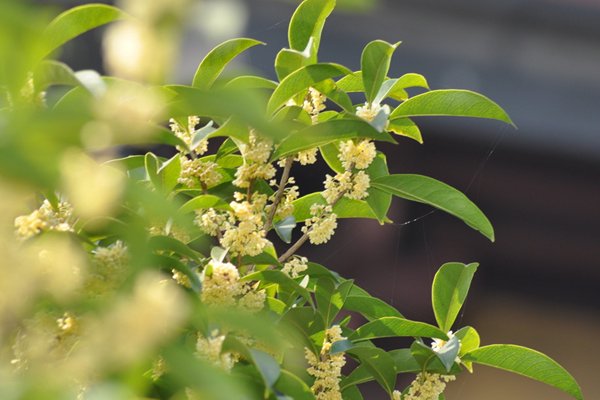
x: 279, y: 195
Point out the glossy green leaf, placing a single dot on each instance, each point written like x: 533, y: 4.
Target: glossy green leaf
x: 370, y: 307
x: 297, y: 323
x: 527, y: 362
x: 448, y: 352
x: 225, y: 149
x: 375, y: 63
x: 285, y: 227
x: 251, y: 82
x: 469, y: 340
x: 341, y: 346
x: 460, y: 103
x: 379, y: 201
x: 330, y: 89
x: 293, y: 386
x: 76, y: 21
x: 169, y: 173
x: 307, y: 22
x: 167, y: 243
x: 430, y: 360
x: 302, y: 79
x: 218, y: 254
x: 281, y: 279
x: 201, y: 134
x: 345, y: 208
x: 288, y: 61
x: 449, y: 291
x: 405, y: 127
x: 352, y: 393
x: 213, y: 64
x: 330, y: 298
x: 269, y: 368
x: 395, y: 87
x: 293, y: 113
x: 403, y: 358
x: 204, y: 202
x: 352, y: 82
x: 152, y: 165
x: 379, y: 363
x: 437, y: 194
x: 263, y: 258
x: 330, y: 152
x: 327, y: 132
x: 393, y: 327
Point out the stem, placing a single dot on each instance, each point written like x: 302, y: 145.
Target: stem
x: 279, y: 195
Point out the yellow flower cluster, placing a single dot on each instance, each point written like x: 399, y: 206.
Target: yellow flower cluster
x: 314, y: 104
x: 285, y: 207
x: 295, y: 266
x: 368, y: 111
x: 195, y: 171
x: 322, y: 225
x: 426, y: 386
x: 46, y: 338
x: 109, y: 269
x: 30, y: 97
x: 353, y: 186
x: 222, y: 288
x: 256, y: 155
x: 210, y: 349
x: 328, y: 368
x: 247, y: 237
x: 211, y: 221
x: 45, y: 218
x: 359, y: 155
x: 186, y: 134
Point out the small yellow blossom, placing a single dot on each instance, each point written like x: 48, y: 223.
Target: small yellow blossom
x: 160, y: 228
x: 196, y: 171
x: 246, y: 237
x: 322, y: 225
x: 368, y: 111
x: 285, y: 207
x: 328, y: 368
x: 45, y: 218
x: 109, y: 269
x: 295, y: 266
x: 159, y: 367
x: 426, y: 386
x: 186, y: 134
x: 359, y: 155
x: 221, y: 287
x: 210, y: 349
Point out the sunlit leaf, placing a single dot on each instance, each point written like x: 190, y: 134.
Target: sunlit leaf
x: 450, y: 287
x: 375, y: 63
x: 393, y: 327
x: 435, y: 193
x: 405, y: 127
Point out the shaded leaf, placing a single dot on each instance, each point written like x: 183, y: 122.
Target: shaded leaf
x: 285, y: 227
x: 293, y: 386
x: 281, y: 279
x: 167, y: 243
x: 370, y: 307
x: 379, y: 363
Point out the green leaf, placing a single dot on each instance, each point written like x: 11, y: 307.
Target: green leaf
x: 213, y: 64
x: 152, y: 164
x: 50, y: 72
x: 379, y: 363
x: 218, y: 254
x: 393, y: 327
x: 167, y: 243
x: 127, y: 163
x: 204, y: 202
x: 169, y: 174
x: 352, y: 393
x: 449, y: 291
x: 469, y: 340
x: 370, y: 307
x: 284, y: 228
x: 330, y: 152
x: 448, y: 352
x: 405, y: 127
x: 251, y: 82
x: 330, y: 298
x: 281, y: 279
x: 307, y: 22
x: 171, y: 263
x: 201, y: 135
x: 293, y: 386
x: 435, y: 193
x: 341, y: 346
x: 395, y: 87
x: 375, y: 63
x: 460, y: 103
x: 430, y: 360
x: 330, y: 89
x: 345, y: 208
x: 269, y: 368
x: 76, y: 21
x: 327, y: 132
x: 527, y: 362
x: 263, y: 258
x: 352, y: 82
x: 302, y: 79
x: 288, y: 61
x: 379, y: 201
x: 297, y: 323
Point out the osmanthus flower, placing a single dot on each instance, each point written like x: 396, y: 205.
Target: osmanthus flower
x: 368, y: 111
x: 295, y: 266
x: 327, y: 369
x: 322, y: 225
x: 426, y: 386
x: 256, y: 165
x: 186, y: 134
x: 195, y: 172
x: 46, y: 218
x: 246, y: 237
x: 167, y: 228
x: 210, y: 349
x: 29, y: 95
x: 358, y: 155
x: 109, y: 268
x: 285, y: 207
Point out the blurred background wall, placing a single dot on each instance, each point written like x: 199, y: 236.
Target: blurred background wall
x: 537, y: 285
